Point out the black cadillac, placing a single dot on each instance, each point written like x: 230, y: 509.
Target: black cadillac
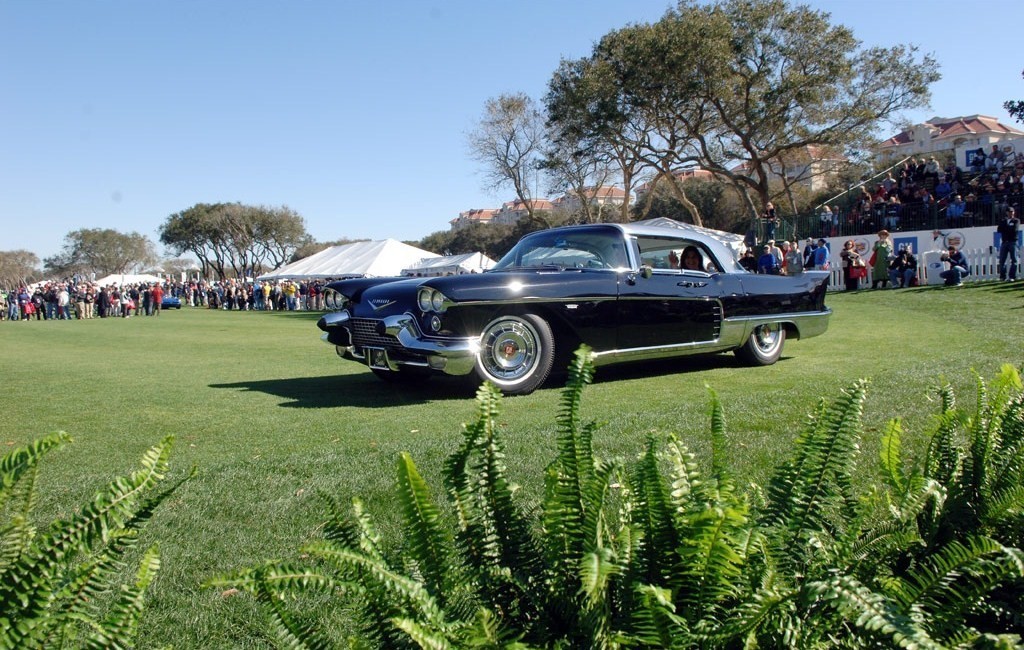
x: 629, y: 291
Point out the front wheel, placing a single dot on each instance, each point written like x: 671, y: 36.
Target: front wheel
x: 516, y: 353
x: 764, y: 347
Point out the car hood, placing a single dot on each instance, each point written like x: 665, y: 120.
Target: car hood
x: 378, y: 297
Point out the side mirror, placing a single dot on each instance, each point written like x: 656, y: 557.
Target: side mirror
x: 646, y: 272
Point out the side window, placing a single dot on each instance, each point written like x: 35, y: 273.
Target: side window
x: 676, y: 254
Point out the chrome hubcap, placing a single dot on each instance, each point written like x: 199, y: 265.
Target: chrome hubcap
x: 767, y: 337
x: 508, y: 349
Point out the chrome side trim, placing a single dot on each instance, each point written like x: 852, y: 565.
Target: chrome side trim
x: 806, y: 323
x: 658, y: 352
x: 734, y: 333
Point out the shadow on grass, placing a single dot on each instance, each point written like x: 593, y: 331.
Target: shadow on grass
x: 362, y: 390
x: 666, y: 367
x: 365, y: 390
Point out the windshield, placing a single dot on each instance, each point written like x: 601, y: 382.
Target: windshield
x: 583, y: 248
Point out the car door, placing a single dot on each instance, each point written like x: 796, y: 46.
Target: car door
x: 667, y: 307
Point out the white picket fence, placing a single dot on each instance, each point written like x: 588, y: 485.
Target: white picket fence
x: 983, y: 264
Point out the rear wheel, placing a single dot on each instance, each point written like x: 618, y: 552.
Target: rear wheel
x: 764, y: 347
x: 516, y: 353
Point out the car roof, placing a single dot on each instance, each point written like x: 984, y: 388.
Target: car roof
x: 725, y: 246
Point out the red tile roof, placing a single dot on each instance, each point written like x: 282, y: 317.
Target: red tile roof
x: 956, y: 126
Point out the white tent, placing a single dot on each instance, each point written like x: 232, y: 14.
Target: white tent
x: 381, y: 258
x: 121, y: 279
x: 450, y: 265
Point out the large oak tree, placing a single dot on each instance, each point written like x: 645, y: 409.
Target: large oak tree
x: 737, y: 87
x: 234, y: 240
x: 101, y: 251
x: 17, y: 268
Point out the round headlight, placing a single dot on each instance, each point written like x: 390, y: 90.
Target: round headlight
x: 333, y: 300
x: 423, y: 298
x: 437, y: 301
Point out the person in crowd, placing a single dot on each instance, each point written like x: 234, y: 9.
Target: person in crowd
x: 258, y: 297
x: 978, y: 161
x: 995, y: 159
x: 13, y: 311
x: 157, y: 297
x: 63, y: 302
x: 126, y: 302
x: 903, y: 268
x: 777, y: 252
x: 1008, y: 230
x: 853, y: 265
x: 881, y: 254
x: 821, y: 256
x: 79, y: 298
x: 767, y: 263
x: 825, y: 220
x: 809, y: 247
x: 955, y: 210
x: 771, y: 220
x: 892, y: 211
x: 958, y: 267
x: 794, y: 259
x: 102, y: 302
x: 748, y: 261
x: 943, y: 188
x: 39, y: 304
x: 145, y: 303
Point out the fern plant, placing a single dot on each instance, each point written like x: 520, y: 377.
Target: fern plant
x: 52, y: 582
x: 659, y: 553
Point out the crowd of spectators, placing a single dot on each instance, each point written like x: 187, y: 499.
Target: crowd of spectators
x: 78, y: 299
x: 922, y: 193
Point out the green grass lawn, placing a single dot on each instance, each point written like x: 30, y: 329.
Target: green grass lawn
x: 270, y: 417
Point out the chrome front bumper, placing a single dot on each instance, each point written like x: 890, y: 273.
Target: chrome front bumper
x: 449, y: 356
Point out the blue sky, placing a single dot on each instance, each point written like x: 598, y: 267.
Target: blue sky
x: 117, y: 114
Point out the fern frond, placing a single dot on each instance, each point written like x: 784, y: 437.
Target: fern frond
x: 486, y: 631
x: 15, y: 464
x: 653, y: 514
x: 892, y: 461
x: 424, y: 638
x: 428, y: 545
x: 719, y: 469
x: 278, y: 578
x: 290, y: 632
x: 30, y: 583
x: 819, y: 482
x: 709, y: 566
x: 656, y: 623
x: 683, y: 473
x: 951, y: 578
x: 596, y: 571
x: 15, y: 539
x: 752, y: 617
x: 872, y: 612
x: 121, y: 624
x: 409, y: 594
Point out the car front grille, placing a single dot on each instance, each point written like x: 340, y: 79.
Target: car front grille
x: 364, y: 334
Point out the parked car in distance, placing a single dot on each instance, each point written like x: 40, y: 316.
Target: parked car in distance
x: 629, y: 291
x: 170, y: 302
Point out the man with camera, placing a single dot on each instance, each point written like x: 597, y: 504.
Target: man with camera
x: 1008, y: 229
x: 958, y: 267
